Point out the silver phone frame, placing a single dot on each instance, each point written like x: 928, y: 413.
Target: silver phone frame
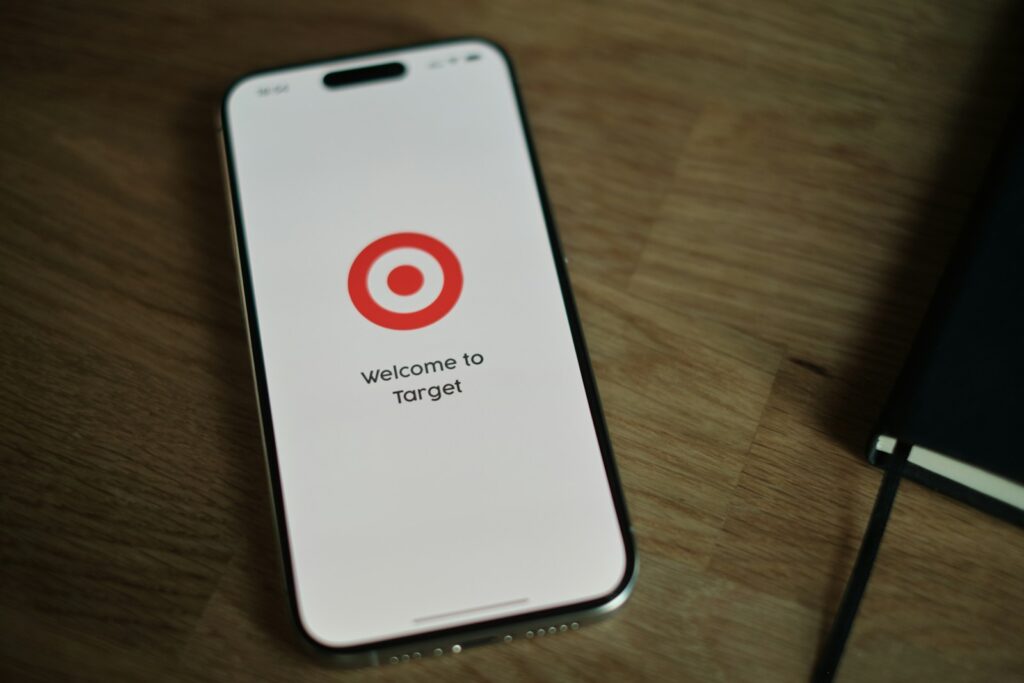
x: 447, y: 640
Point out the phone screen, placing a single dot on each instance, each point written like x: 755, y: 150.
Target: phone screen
x: 437, y: 459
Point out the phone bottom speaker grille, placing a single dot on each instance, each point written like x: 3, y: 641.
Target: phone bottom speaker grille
x: 456, y: 648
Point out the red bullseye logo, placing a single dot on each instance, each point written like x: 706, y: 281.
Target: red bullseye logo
x: 405, y: 281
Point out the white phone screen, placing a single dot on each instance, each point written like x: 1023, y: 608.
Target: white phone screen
x: 437, y: 458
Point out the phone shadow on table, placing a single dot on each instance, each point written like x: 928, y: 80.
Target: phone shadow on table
x: 848, y: 413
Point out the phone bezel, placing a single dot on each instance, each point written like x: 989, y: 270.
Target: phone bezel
x: 368, y: 653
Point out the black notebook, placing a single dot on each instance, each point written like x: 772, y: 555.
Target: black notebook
x: 959, y: 401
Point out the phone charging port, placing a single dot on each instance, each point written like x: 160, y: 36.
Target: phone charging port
x: 477, y: 642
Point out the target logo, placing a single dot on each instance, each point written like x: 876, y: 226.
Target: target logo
x: 405, y: 281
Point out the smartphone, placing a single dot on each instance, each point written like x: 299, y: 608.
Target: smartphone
x: 439, y: 463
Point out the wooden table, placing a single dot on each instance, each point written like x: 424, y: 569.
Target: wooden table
x: 756, y: 199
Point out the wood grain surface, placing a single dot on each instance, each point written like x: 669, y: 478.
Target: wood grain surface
x: 756, y: 199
